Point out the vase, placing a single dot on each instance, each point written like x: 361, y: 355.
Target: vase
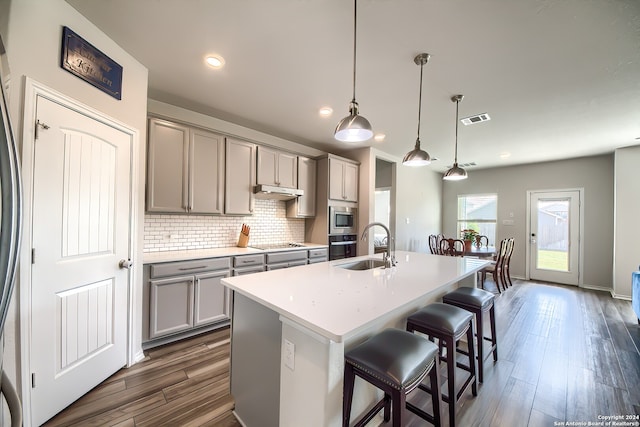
x: 467, y: 245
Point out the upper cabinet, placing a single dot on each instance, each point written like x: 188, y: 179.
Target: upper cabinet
x: 185, y: 172
x: 305, y: 205
x: 277, y: 168
x: 343, y: 180
x: 240, y: 177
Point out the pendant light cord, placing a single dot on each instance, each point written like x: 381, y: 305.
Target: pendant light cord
x: 420, y: 101
x: 455, y: 161
x: 355, y: 23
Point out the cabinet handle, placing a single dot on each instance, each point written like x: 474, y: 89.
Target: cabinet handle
x: 192, y: 268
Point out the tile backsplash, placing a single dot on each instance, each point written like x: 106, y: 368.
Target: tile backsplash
x: 269, y: 224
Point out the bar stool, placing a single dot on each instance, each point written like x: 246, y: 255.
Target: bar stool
x: 477, y: 301
x: 396, y: 362
x: 448, y: 324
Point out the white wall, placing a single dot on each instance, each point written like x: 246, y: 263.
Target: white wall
x: 627, y: 212
x: 32, y: 32
x: 594, y: 174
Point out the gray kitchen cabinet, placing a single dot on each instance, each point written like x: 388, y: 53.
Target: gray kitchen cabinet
x: 186, y: 295
x: 343, y: 180
x: 318, y: 255
x: 185, y: 169
x: 240, y: 177
x: 277, y: 168
x: 248, y: 264
x: 305, y: 205
x: 171, y: 306
x: 278, y: 260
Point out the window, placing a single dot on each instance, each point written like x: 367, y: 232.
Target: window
x: 479, y: 212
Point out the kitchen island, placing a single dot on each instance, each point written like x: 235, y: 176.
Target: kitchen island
x: 290, y: 329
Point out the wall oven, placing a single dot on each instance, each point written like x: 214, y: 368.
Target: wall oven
x: 342, y: 246
x: 343, y: 220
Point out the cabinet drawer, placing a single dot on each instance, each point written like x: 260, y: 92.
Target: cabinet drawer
x: 317, y: 253
x: 189, y: 267
x: 318, y: 259
x: 286, y: 265
x: 248, y: 260
x: 248, y: 270
x: 278, y: 257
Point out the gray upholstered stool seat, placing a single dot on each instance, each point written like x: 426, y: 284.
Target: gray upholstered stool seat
x: 472, y: 297
x: 443, y: 318
x: 478, y: 302
x: 448, y: 324
x: 395, y: 361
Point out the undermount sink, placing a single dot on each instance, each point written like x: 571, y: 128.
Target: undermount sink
x: 365, y: 264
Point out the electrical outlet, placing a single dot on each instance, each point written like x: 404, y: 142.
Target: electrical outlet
x: 289, y: 354
x: 407, y: 220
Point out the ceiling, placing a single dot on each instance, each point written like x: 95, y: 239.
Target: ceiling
x: 559, y: 78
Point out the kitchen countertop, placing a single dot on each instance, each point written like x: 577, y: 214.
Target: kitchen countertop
x: 338, y: 303
x: 168, y: 256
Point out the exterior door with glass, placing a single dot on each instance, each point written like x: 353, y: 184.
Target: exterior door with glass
x: 554, y: 236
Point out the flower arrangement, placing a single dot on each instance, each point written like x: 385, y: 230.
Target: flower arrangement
x: 469, y: 234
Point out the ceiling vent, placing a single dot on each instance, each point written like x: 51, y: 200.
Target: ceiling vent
x: 478, y: 118
x: 464, y: 165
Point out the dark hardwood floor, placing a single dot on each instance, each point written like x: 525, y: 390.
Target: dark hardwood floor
x: 565, y: 354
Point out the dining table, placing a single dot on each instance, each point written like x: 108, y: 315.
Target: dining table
x: 481, y: 251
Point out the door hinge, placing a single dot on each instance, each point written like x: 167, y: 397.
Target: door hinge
x: 39, y: 125
x: 33, y: 380
x: 33, y: 256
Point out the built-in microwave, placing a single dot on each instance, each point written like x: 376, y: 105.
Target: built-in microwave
x: 343, y: 220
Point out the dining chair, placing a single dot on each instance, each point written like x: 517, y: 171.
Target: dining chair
x: 496, y: 269
x: 439, y: 238
x: 506, y: 275
x: 482, y: 240
x: 452, y: 247
x: 433, y: 244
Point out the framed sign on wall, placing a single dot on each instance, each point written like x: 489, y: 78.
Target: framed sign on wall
x: 84, y: 60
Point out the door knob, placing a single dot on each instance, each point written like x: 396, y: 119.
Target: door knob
x: 125, y: 263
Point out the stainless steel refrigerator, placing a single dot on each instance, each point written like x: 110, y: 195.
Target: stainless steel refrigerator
x: 10, y: 224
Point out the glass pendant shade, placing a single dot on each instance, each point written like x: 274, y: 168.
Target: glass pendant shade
x: 353, y: 128
x: 456, y: 173
x: 416, y: 157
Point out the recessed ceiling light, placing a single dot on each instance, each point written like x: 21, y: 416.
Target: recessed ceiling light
x: 379, y: 137
x: 215, y: 61
x: 505, y: 155
x: 325, y: 111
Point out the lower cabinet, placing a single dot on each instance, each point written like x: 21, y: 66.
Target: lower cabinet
x: 187, y: 295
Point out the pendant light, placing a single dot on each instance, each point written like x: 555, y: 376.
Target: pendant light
x: 353, y: 128
x: 456, y: 173
x: 418, y: 157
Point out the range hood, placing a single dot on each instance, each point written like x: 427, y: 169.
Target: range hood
x: 278, y: 193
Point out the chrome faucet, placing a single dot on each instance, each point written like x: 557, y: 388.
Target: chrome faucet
x: 389, y: 256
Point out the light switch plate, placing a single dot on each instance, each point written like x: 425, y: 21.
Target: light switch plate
x: 289, y: 354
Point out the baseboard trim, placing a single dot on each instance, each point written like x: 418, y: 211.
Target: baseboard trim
x: 235, y: 414
x: 596, y: 288
x: 619, y: 296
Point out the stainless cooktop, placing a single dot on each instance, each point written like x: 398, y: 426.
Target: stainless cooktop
x: 268, y: 246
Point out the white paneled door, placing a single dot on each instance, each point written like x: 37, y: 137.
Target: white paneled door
x: 81, y: 232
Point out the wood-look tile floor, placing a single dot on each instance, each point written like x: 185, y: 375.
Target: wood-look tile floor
x: 565, y: 354
x: 181, y: 384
